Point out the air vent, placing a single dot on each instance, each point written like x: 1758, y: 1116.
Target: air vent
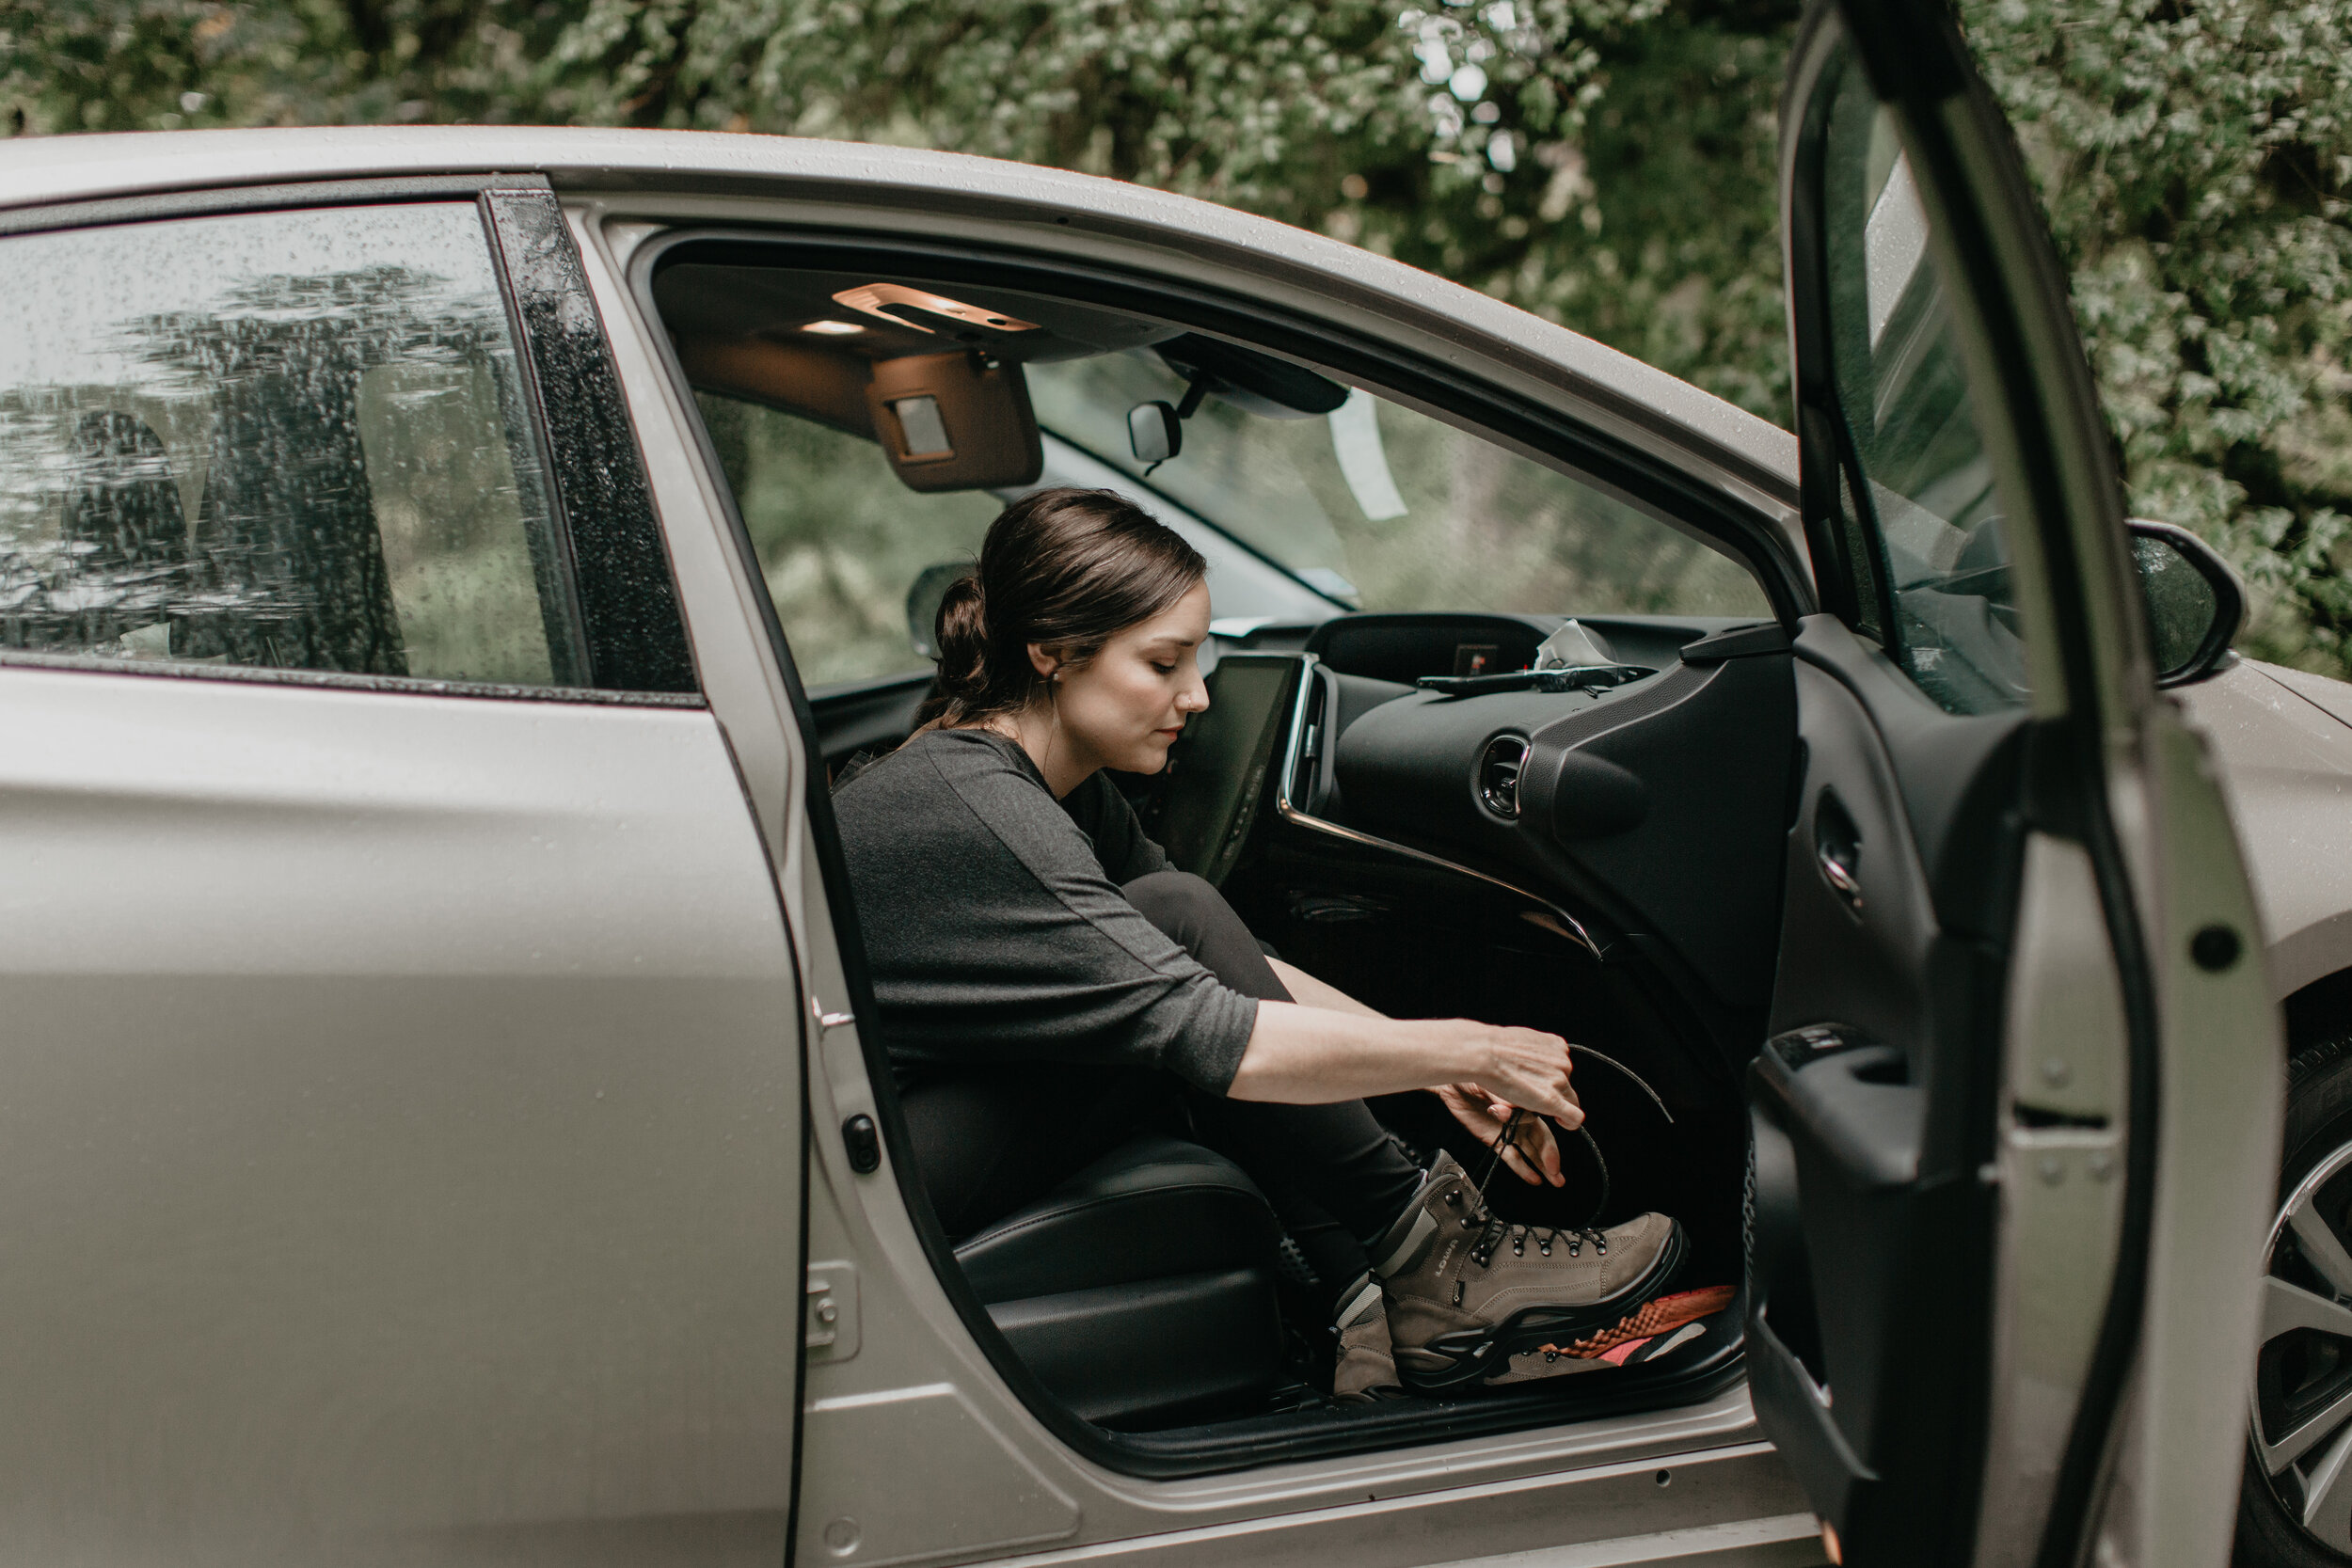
x: 1499, y: 767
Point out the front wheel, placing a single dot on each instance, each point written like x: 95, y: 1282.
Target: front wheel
x: 2296, y: 1508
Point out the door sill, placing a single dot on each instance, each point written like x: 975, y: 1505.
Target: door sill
x: 1286, y: 1436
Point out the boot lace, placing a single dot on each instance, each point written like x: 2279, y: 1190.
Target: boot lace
x: 1493, y: 1231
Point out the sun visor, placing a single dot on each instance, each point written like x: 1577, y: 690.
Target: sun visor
x: 803, y: 378
x: 956, y: 421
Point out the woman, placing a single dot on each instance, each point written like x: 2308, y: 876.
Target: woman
x: 1049, y: 985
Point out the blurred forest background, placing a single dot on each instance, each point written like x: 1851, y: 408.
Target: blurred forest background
x: 1607, y: 163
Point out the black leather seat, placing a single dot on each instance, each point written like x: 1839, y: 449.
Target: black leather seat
x: 1141, y: 1291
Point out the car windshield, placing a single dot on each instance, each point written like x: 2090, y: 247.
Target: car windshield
x: 1383, y: 508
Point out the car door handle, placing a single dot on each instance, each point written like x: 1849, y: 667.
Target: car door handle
x: 1853, y: 1102
x: 1838, y: 872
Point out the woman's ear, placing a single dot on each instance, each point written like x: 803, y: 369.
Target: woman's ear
x: 1044, y: 660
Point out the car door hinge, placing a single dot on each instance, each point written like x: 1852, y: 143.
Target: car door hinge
x: 829, y: 1325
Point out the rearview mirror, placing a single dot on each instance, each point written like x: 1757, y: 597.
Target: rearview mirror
x: 923, y: 596
x: 2195, y: 602
x: 1155, y: 431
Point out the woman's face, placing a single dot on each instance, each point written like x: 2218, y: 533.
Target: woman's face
x: 1124, y: 707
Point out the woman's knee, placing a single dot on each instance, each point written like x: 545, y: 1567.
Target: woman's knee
x: 1199, y: 919
x: 1182, y: 905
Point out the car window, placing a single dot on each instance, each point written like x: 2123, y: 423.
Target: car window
x: 285, y: 440
x: 1931, y: 558
x: 840, y: 540
x: 1389, y: 509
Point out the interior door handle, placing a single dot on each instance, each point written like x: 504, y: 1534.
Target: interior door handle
x: 1838, y: 872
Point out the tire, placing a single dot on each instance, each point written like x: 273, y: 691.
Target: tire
x: 2303, y: 1369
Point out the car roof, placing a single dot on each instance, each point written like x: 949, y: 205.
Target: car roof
x: 43, y: 170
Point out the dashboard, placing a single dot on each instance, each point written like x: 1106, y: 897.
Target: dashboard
x: 1651, y: 811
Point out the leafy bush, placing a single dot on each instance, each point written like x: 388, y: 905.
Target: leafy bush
x: 2196, y: 161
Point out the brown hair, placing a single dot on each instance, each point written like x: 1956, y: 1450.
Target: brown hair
x: 1064, y: 568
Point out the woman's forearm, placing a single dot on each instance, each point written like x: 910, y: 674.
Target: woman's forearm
x: 1306, y: 1055
x: 1311, y: 992
x: 1310, y: 1056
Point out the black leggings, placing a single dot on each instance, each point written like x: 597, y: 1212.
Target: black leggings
x: 991, y: 1139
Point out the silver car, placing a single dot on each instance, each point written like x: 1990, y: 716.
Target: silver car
x: 445, y: 1119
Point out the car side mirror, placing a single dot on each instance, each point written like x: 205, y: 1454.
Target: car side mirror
x: 2195, y: 602
x: 923, y: 596
x: 1155, y: 431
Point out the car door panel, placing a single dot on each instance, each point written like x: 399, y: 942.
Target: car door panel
x: 1958, y: 1242
x: 1858, y: 957
x: 399, y: 1105
x: 1856, y: 1264
x: 2056, y: 1169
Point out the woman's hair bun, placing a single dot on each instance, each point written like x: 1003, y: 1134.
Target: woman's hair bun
x: 960, y: 634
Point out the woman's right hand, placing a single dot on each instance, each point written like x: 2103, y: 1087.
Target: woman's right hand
x: 1525, y: 1067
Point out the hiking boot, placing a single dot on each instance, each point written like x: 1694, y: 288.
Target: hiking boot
x: 1468, y: 1292
x: 1365, y: 1370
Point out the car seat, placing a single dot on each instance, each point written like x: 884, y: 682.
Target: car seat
x: 1141, y: 1291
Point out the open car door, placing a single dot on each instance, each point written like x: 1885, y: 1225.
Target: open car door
x: 2017, y: 1123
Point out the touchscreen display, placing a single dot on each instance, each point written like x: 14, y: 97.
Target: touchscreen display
x: 1216, y: 773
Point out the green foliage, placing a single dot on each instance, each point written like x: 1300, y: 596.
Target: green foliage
x: 2196, y: 162
x: 167, y: 65
x: 1607, y: 163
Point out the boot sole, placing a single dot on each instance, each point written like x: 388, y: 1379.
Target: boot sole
x: 1476, y: 1352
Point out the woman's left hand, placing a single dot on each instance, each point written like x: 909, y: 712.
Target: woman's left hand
x: 1532, y: 1154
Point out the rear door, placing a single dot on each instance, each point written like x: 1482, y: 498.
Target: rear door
x: 2018, y: 1105
x: 399, y: 1116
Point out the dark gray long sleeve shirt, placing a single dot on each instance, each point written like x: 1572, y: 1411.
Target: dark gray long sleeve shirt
x: 995, y: 929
